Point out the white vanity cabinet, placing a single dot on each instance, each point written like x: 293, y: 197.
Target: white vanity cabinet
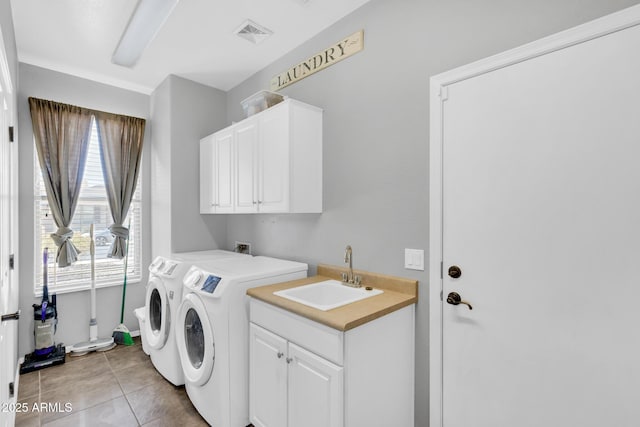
x: 276, y: 163
x: 312, y: 390
x: 303, y: 373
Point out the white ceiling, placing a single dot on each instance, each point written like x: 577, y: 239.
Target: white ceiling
x: 197, y: 42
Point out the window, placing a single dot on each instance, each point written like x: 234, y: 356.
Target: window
x: 92, y: 207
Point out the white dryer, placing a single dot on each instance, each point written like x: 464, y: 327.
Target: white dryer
x: 212, y: 333
x: 163, y: 297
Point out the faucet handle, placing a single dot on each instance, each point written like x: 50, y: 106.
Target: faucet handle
x: 345, y: 277
x: 357, y: 280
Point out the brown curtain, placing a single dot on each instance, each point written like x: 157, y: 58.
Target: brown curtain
x: 61, y: 135
x: 121, y: 140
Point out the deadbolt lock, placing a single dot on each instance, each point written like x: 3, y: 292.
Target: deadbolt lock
x: 454, y: 271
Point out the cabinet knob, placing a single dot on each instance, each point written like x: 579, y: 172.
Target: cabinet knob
x: 280, y: 354
x: 289, y: 359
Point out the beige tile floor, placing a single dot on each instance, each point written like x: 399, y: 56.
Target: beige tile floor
x: 119, y: 387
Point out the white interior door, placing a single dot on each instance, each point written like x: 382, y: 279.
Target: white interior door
x: 8, y: 241
x: 541, y: 213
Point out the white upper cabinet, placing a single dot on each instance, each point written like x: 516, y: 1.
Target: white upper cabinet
x: 275, y: 164
x: 246, y: 157
x: 223, y: 166
x: 216, y: 172
x: 207, y: 176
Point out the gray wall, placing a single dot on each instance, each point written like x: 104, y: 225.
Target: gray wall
x: 161, y: 171
x: 183, y: 112
x: 74, y: 307
x: 196, y: 111
x: 376, y: 130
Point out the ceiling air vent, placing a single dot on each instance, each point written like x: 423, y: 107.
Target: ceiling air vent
x: 253, y: 32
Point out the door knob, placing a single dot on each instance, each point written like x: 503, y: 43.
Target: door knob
x: 454, y: 271
x: 454, y: 298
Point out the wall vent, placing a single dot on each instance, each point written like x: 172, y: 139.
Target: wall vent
x: 253, y: 32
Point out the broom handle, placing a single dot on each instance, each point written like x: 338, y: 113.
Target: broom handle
x: 124, y: 285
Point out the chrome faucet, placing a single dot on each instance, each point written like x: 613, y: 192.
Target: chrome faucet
x: 348, y: 278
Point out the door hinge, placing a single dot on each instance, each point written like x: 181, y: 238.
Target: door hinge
x: 12, y: 261
x: 444, y: 93
x: 10, y: 133
x: 12, y: 316
x: 12, y: 389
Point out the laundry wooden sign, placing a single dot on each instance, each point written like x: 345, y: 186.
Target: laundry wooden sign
x: 339, y: 51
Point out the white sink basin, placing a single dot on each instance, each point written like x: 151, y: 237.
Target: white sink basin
x: 326, y: 295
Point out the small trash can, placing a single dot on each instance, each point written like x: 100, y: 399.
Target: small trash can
x: 139, y: 312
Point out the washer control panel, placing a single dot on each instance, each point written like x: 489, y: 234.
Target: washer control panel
x: 198, y: 280
x: 169, y: 268
x: 157, y: 265
x: 210, y: 283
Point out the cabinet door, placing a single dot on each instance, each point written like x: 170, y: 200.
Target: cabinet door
x: 224, y: 172
x: 273, y: 166
x: 207, y: 175
x: 246, y: 135
x: 315, y: 395
x: 267, y: 378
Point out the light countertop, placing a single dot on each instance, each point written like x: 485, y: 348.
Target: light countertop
x: 398, y: 293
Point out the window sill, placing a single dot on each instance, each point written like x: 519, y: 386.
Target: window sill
x: 68, y: 289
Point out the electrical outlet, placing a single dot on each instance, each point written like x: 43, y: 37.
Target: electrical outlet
x: 243, y: 248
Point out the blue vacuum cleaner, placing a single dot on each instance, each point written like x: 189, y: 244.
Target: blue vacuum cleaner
x: 45, y: 322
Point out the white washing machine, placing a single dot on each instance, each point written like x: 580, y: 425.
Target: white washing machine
x: 163, y: 297
x: 212, y: 333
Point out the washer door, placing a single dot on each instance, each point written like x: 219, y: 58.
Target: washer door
x: 194, y: 336
x: 158, y: 318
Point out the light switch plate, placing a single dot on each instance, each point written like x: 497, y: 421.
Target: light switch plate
x: 414, y: 259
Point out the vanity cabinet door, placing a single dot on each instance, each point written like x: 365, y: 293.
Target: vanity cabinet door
x: 315, y: 395
x: 267, y: 378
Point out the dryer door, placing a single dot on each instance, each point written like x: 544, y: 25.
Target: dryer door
x: 158, y: 317
x: 194, y: 336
